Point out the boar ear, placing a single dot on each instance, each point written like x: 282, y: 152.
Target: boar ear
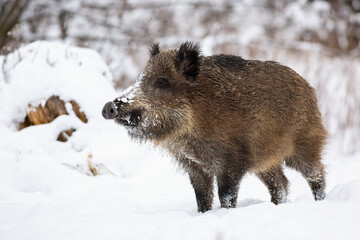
x: 187, y: 60
x: 154, y: 49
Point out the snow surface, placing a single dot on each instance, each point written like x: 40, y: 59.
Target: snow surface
x: 47, y: 191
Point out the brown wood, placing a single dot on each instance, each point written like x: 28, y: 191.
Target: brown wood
x: 78, y: 113
x: 53, y: 108
x: 64, y: 135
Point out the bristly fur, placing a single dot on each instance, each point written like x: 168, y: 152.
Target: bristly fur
x: 187, y: 60
x: 154, y: 49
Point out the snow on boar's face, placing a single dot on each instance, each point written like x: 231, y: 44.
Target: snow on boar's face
x: 158, y: 106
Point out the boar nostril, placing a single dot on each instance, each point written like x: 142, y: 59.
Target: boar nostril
x: 109, y: 111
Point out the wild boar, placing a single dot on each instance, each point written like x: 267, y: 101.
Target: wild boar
x: 222, y: 116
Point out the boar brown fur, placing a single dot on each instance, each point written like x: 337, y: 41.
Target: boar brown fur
x: 222, y: 116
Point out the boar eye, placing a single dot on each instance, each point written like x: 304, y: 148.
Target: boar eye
x: 162, y: 83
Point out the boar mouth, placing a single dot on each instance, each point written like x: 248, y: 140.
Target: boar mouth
x: 130, y: 119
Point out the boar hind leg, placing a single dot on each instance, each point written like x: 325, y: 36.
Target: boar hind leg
x: 202, y: 183
x: 276, y: 182
x: 306, y: 160
x: 316, y: 180
x: 314, y: 175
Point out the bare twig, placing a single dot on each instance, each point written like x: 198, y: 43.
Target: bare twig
x: 51, y: 63
x: 9, y: 17
x: 101, y: 166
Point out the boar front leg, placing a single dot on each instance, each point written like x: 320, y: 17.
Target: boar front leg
x: 228, y: 187
x: 203, y: 184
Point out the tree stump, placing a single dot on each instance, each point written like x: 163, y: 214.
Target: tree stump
x: 53, y: 108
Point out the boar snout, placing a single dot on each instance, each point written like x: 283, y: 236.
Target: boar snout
x: 123, y: 113
x: 109, y: 111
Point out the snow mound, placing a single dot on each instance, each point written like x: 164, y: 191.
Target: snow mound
x: 346, y: 192
x: 35, y: 72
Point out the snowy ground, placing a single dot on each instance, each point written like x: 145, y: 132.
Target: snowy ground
x: 47, y: 192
